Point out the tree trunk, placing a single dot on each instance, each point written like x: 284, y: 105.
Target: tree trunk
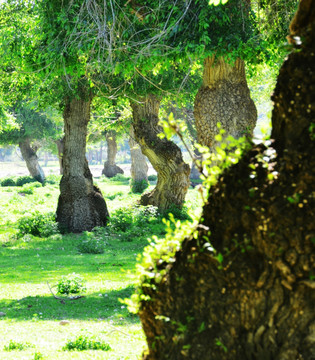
x: 31, y: 159
x: 139, y: 167
x: 110, y: 168
x: 81, y: 205
x: 60, y: 146
x: 164, y: 155
x: 224, y: 98
x: 251, y: 293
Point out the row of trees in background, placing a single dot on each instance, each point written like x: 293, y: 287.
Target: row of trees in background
x: 80, y: 56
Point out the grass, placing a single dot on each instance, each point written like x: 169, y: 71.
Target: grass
x: 33, y: 315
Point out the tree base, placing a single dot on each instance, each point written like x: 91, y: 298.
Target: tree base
x: 111, y: 170
x: 81, y: 206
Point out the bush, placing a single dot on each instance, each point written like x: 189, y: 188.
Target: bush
x: 52, y: 179
x: 38, y: 224
x: 71, y: 284
x: 14, y: 345
x: 120, y: 178
x: 113, y: 196
x: 28, y: 188
x: 8, y: 182
x: 138, y: 187
x: 126, y: 217
x: 22, y: 180
x: 179, y: 214
x: 82, y: 343
x: 152, y: 177
x: 91, y: 243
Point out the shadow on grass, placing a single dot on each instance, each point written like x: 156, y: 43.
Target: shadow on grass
x: 103, y: 305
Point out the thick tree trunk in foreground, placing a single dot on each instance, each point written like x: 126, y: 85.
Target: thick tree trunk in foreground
x: 31, y: 159
x: 223, y: 98
x: 60, y: 146
x: 139, y: 167
x: 81, y: 205
x: 110, y: 168
x: 258, y: 303
x: 164, y: 155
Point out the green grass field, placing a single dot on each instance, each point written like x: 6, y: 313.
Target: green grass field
x: 32, y: 314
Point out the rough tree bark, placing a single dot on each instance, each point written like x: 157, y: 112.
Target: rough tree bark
x: 60, y: 147
x: 110, y: 168
x: 257, y: 302
x: 139, y: 167
x: 81, y: 205
x: 165, y: 157
x: 224, y: 97
x: 31, y: 159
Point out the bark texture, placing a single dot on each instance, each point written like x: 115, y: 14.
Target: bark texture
x: 257, y: 302
x: 139, y: 167
x: 165, y: 157
x: 224, y: 97
x: 110, y: 168
x: 31, y: 159
x: 81, y: 205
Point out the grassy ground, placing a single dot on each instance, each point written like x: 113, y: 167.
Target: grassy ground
x: 27, y: 263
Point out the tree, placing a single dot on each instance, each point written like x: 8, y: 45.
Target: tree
x: 139, y: 167
x: 164, y: 155
x: 242, y: 285
x: 33, y: 128
x: 110, y: 168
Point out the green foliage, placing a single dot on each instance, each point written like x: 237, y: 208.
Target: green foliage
x: 120, y: 178
x: 38, y: 224
x: 82, y: 343
x: 15, y: 345
x: 38, y: 356
x: 28, y: 189
x: 92, y: 242
x: 152, y: 178
x: 114, y: 196
x: 22, y: 180
x: 52, y: 179
x: 177, y: 213
x: 71, y: 284
x: 138, y: 187
x: 8, y: 182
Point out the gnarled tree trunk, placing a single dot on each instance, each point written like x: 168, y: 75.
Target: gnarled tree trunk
x: 251, y: 293
x: 31, y: 159
x: 164, y: 155
x: 60, y: 148
x: 139, y: 167
x: 110, y: 168
x: 81, y: 205
x: 223, y: 98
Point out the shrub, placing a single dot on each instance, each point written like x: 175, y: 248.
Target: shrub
x: 120, y: 178
x: 14, y: 345
x: 71, y: 284
x: 82, y: 343
x: 52, y: 179
x: 28, y: 188
x: 179, y: 214
x: 113, y: 196
x: 137, y: 187
x: 8, y: 182
x: 91, y: 243
x: 121, y: 219
x: 38, y: 356
x: 24, y: 180
x: 152, y: 177
x: 38, y: 224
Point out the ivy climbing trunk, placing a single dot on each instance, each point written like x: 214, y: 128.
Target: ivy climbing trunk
x: 110, y: 168
x: 165, y: 157
x: 81, y: 205
x: 139, y: 167
x: 243, y: 286
x: 224, y: 98
x: 31, y: 160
